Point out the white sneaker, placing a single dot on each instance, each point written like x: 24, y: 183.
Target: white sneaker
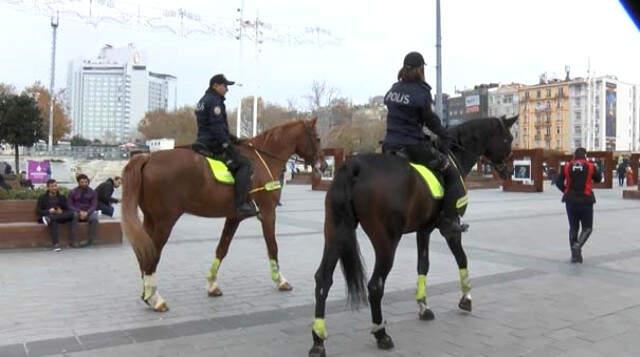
x: 45, y: 220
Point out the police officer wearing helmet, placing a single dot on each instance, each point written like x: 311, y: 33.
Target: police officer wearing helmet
x: 575, y: 180
x: 214, y: 140
x: 409, y: 105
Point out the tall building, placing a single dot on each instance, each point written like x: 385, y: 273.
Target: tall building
x: 110, y: 94
x: 544, y: 115
x: 604, y: 114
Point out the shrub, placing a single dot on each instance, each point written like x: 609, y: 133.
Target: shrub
x: 27, y: 194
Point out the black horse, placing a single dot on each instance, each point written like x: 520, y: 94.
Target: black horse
x: 388, y: 198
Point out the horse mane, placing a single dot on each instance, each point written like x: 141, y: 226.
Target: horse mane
x: 471, y: 134
x: 275, y: 133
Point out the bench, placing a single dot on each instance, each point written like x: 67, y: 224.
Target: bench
x: 19, y: 228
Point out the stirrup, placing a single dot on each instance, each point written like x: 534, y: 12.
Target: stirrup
x: 250, y: 212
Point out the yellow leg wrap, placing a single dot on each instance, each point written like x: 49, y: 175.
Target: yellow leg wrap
x: 320, y: 328
x: 213, y: 272
x: 275, y: 270
x: 462, y: 201
x: 149, y: 286
x: 421, y: 290
x: 465, y: 285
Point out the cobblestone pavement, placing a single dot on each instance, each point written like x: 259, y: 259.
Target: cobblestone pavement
x: 528, y: 300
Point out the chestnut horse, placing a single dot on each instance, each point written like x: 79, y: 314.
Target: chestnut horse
x: 388, y: 198
x: 166, y: 184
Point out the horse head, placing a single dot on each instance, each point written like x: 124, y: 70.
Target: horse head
x: 499, y: 147
x: 308, y: 146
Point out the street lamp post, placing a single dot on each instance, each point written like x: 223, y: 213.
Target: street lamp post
x: 54, y: 27
x: 438, y: 62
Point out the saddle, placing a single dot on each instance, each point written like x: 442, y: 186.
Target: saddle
x: 433, y: 180
x: 221, y: 171
x: 218, y: 168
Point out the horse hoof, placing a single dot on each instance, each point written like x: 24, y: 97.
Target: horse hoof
x: 285, y: 286
x: 465, y: 304
x: 317, y: 351
x: 215, y: 292
x: 385, y: 342
x: 427, y: 315
x: 162, y: 307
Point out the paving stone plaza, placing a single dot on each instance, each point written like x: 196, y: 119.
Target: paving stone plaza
x: 528, y: 300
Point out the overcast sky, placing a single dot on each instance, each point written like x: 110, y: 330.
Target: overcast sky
x: 483, y: 41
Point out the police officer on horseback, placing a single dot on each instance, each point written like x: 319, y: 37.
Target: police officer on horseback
x: 215, y: 140
x: 409, y: 105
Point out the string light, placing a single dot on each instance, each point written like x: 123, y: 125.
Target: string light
x: 179, y: 21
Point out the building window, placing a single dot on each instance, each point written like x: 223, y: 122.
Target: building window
x: 538, y: 93
x: 560, y: 92
x: 548, y: 93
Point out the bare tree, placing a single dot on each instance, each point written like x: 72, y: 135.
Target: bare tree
x: 179, y: 125
x: 321, y: 95
x: 7, y: 89
x: 61, y: 122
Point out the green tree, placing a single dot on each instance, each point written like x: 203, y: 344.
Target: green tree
x: 20, y: 123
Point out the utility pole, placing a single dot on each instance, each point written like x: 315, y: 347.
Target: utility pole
x: 258, y: 41
x: 240, y: 19
x: 438, y: 63
x: 54, y: 27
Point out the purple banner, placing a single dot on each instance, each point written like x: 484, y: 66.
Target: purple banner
x: 38, y: 171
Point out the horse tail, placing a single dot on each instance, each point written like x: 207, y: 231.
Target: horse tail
x: 141, y: 242
x: 344, y: 222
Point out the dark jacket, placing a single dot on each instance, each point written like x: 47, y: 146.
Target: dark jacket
x: 44, y: 204
x: 575, y: 180
x: 105, y: 191
x: 83, y: 200
x: 211, y: 114
x: 409, y: 110
x: 622, y: 169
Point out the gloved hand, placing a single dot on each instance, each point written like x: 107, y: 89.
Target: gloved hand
x: 440, y: 161
x: 444, y: 144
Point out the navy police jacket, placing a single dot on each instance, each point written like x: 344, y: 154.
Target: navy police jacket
x: 212, y: 118
x: 409, y: 110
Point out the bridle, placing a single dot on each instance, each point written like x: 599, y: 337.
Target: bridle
x: 498, y: 166
x: 309, y: 135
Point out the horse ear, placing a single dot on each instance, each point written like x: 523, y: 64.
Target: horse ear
x: 509, y: 122
x: 313, y: 121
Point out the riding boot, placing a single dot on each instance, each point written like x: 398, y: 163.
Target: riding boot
x: 449, y: 222
x: 242, y: 186
x: 573, y: 239
x: 584, y: 236
x: 577, y: 246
